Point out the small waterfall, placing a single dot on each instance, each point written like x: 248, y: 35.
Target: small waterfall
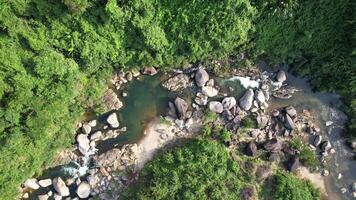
x: 79, y: 168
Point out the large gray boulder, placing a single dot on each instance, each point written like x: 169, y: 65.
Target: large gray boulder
x: 229, y: 102
x: 201, y: 77
x: 216, y: 106
x: 83, y: 190
x: 83, y: 143
x: 246, y: 100
x: 60, y: 186
x: 281, y: 76
x: 181, y: 107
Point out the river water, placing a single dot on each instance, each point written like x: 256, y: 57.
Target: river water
x: 146, y: 99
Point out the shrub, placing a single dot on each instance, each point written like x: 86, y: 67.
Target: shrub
x: 201, y: 169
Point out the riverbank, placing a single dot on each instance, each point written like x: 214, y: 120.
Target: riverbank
x: 264, y: 114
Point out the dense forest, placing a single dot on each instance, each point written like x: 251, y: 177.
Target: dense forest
x: 56, y: 57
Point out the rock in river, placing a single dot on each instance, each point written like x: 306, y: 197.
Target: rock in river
x: 246, y: 100
x: 45, y: 182
x: 149, y: 71
x: 215, y: 106
x: 112, y: 120
x: 176, y: 83
x: 201, y: 77
x: 229, y: 102
x: 60, y: 187
x: 281, y: 76
x: 31, y: 183
x: 83, y: 190
x: 181, y: 107
x: 83, y: 143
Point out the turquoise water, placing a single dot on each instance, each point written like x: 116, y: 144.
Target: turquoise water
x: 146, y: 99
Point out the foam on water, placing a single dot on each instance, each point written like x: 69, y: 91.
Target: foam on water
x: 246, y: 82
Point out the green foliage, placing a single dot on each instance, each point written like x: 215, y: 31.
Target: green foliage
x: 210, y: 117
x: 201, y: 169
x: 305, y: 154
x: 249, y: 122
x: 286, y: 186
x: 224, y: 135
x: 316, y: 38
x: 56, y: 58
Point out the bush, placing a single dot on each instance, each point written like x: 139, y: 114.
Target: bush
x: 286, y: 186
x: 201, y: 169
x: 248, y: 122
x: 305, y: 154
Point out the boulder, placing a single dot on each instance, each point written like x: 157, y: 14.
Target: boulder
x: 229, y: 102
x: 281, y: 76
x: 31, y: 183
x: 290, y: 110
x: 201, y: 77
x: 325, y: 146
x: 129, y: 76
x: 210, y: 82
x: 83, y: 190
x: 176, y: 83
x: 86, y: 128
x: 181, y: 107
x: 263, y: 172
x: 274, y: 156
x: 247, y: 193
x: 260, y: 97
x: 325, y: 172
x: 45, y: 182
x: 216, y: 106
x: 83, y: 143
x: 251, y: 149
x: 149, y: 71
x: 289, y: 122
x: 112, y: 120
x: 293, y: 164
x: 201, y: 99
x: 172, y: 110
x: 92, y: 123
x: 60, y: 187
x: 246, y: 100
x: 42, y: 197
x: 209, y: 91
x: 317, y: 140
x: 96, y: 136
x: 111, y: 100
x: 273, y: 145
x: 275, y: 113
